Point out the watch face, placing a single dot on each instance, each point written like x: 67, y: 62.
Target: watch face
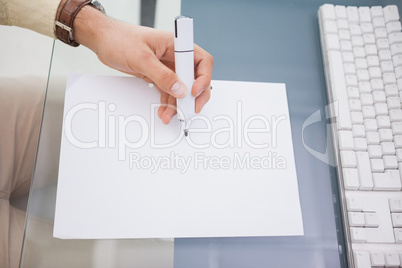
x: 98, y: 6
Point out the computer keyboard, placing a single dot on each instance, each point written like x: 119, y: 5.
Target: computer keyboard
x: 362, y: 52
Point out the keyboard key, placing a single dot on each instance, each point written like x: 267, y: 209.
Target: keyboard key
x: 355, y: 29
x: 383, y: 122
x: 388, y: 181
x: 391, y: 90
x: 380, y: 33
x: 391, y: 259
x: 360, y: 144
x: 396, y: 219
x: 379, y: 97
x: 345, y: 45
x: 362, y: 259
x: 377, y: 84
x: 370, y: 50
x: 398, y: 141
x: 364, y: 171
x: 372, y: 138
x: 350, y: 178
x: 357, y: 41
x: 377, y: 259
x: 332, y: 42
x: 348, y: 159
x: 361, y: 63
x: 345, y: 140
x: 387, y: 66
x: 398, y: 72
x: 395, y: 38
x: 358, y: 131
x: 379, y: 22
x: 393, y: 103
x: 397, y: 60
x: 377, y: 165
x: 399, y: 156
x: 340, y: 12
x: 370, y: 125
x: 384, y: 54
x: 367, y: 27
x: 375, y: 152
x: 376, y: 11
x: 358, y: 235
x: 362, y: 75
x: 389, y: 78
x: 395, y: 115
x: 381, y: 109
x: 353, y: 93
x: 396, y: 49
x: 368, y: 112
x: 354, y: 105
x: 385, y: 135
x: 359, y: 51
x: 371, y: 220
x: 364, y: 14
x: 343, y: 34
x: 390, y: 162
x: 328, y: 12
x: 348, y: 57
x: 387, y: 148
x: 395, y: 204
x: 366, y: 99
x: 375, y: 72
x: 373, y: 61
x: 351, y: 80
x: 368, y: 39
x: 356, y: 118
x: 356, y: 204
x: 353, y: 14
x: 396, y: 128
x: 338, y: 86
x: 394, y: 26
x: 398, y: 235
x: 330, y: 27
x: 391, y: 13
x: 382, y: 43
x: 356, y: 219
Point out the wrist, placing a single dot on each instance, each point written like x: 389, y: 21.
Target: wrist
x: 88, y: 26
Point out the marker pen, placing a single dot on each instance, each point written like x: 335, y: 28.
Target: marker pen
x: 184, y: 65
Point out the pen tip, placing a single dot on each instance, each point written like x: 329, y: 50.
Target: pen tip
x: 186, y: 132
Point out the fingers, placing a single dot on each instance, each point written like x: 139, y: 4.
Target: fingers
x: 170, y: 109
x: 202, y: 99
x: 163, y: 77
x: 203, y: 70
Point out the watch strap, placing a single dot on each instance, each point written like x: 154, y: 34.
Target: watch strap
x: 66, y: 13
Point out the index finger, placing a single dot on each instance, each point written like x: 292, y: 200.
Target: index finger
x: 203, y: 62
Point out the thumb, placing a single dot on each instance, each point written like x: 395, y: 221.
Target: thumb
x: 164, y: 78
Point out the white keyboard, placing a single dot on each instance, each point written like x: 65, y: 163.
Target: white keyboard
x: 362, y: 51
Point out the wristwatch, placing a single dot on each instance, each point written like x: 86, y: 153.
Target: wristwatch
x: 65, y: 16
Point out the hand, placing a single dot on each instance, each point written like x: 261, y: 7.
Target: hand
x: 146, y: 53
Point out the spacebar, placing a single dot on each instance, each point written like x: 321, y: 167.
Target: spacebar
x: 339, y: 93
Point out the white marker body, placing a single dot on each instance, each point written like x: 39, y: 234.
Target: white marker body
x: 184, y: 64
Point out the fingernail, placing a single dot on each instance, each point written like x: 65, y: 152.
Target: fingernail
x: 178, y: 89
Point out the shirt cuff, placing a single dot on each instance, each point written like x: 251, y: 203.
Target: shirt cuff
x: 37, y: 15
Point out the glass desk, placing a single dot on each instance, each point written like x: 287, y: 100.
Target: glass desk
x: 259, y: 40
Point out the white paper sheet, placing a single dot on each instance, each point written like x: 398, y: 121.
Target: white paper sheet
x: 124, y: 174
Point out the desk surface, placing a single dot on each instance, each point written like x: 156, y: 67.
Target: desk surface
x: 259, y: 40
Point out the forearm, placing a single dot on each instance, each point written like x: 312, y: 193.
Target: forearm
x: 37, y: 15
